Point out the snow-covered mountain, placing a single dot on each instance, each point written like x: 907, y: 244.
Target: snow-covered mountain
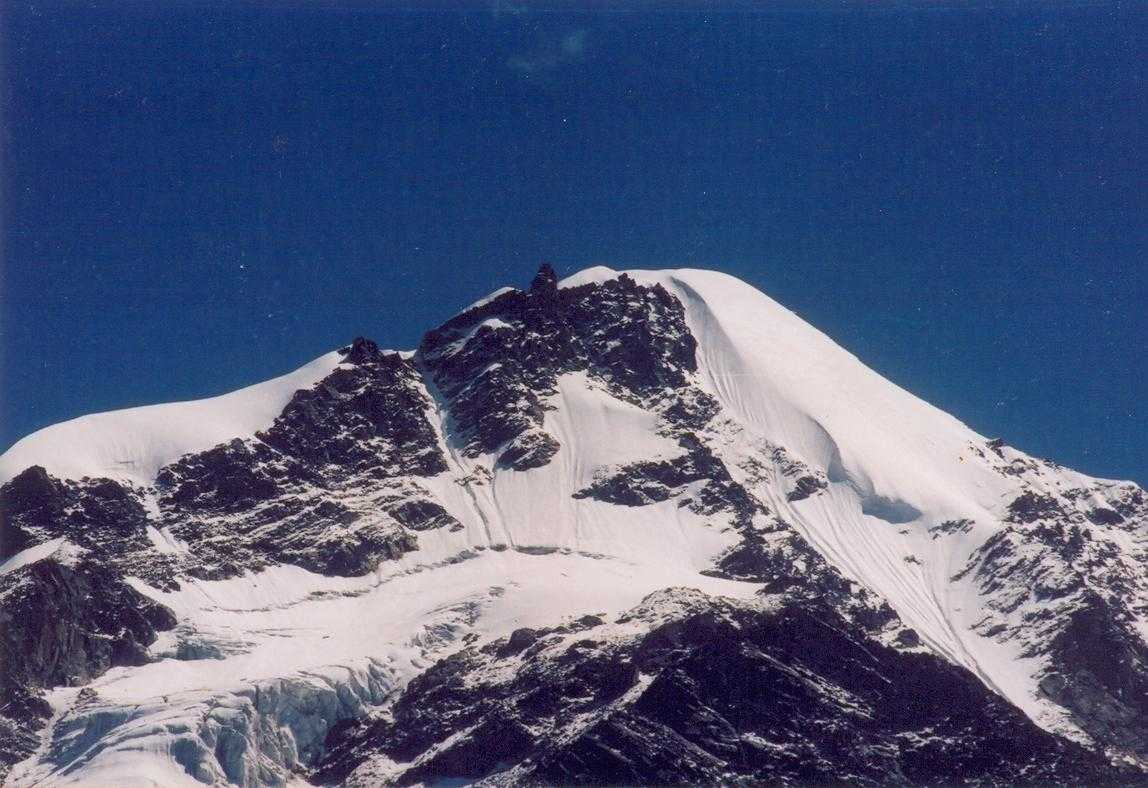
x: 627, y: 527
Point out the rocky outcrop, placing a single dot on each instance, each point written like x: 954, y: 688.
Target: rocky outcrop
x: 103, y: 517
x: 63, y: 621
x: 1101, y: 673
x: 687, y: 689
x: 642, y: 483
x: 100, y: 515
x: 806, y: 486
x: 1064, y: 580
x: 367, y: 417
x: 496, y: 364
x: 1028, y: 507
x: 329, y: 486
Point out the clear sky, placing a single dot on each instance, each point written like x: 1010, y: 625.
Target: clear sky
x: 201, y: 196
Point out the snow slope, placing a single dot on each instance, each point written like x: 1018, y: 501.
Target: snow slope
x: 897, y: 466
x: 133, y: 444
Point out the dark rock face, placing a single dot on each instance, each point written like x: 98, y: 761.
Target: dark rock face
x: 531, y: 449
x: 1102, y: 515
x: 1061, y: 569
x: 784, y: 562
x: 495, y: 364
x: 302, y: 524
x: 423, y: 516
x: 102, y: 516
x: 806, y: 486
x: 642, y: 483
x: 327, y: 487
x: 63, y: 624
x: 23, y: 713
x: 29, y: 504
x: 1030, y: 507
x: 545, y: 282
x: 1102, y: 674
x: 231, y: 477
x: 708, y: 691
x: 369, y: 417
x: 97, y: 514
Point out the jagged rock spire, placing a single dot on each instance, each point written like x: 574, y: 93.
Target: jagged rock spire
x: 545, y: 281
x: 361, y: 350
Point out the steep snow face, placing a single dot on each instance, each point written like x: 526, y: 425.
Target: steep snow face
x: 987, y: 553
x: 780, y: 378
x: 548, y: 453
x: 132, y: 445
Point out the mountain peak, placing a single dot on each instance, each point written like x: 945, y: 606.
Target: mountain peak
x: 545, y: 281
x: 361, y: 350
x: 543, y: 462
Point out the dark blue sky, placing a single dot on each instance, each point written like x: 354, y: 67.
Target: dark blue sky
x: 200, y: 198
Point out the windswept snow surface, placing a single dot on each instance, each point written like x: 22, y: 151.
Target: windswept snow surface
x: 31, y: 555
x: 896, y: 465
x: 528, y: 553
x: 133, y: 444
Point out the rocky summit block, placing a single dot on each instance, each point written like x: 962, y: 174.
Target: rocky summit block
x: 495, y: 364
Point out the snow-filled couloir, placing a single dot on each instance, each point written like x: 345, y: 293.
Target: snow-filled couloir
x: 292, y: 559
